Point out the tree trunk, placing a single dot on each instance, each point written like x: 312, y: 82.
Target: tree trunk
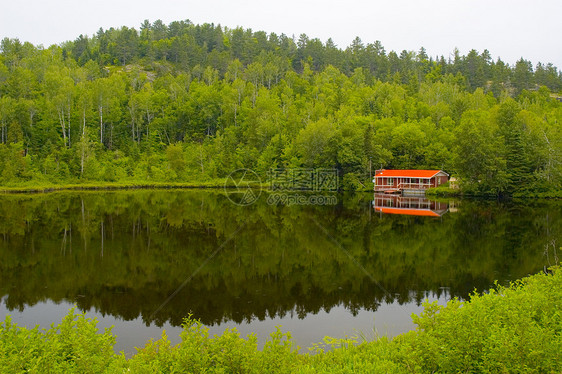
x: 100, y: 110
x: 111, y: 136
x: 132, y: 113
x: 61, y: 120
x: 82, y: 159
x: 201, y: 158
x: 68, y: 125
x: 84, y: 122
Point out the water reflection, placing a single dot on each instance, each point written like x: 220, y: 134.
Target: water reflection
x: 123, y: 254
x: 409, y: 205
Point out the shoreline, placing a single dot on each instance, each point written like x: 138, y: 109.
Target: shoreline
x: 432, y: 193
x: 111, y: 187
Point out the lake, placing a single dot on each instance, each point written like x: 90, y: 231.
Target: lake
x: 339, y: 265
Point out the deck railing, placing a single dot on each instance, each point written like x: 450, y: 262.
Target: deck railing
x: 414, y: 186
x: 404, y: 186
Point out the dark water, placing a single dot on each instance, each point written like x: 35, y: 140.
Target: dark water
x: 143, y: 260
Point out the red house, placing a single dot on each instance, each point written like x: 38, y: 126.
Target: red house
x: 391, y: 181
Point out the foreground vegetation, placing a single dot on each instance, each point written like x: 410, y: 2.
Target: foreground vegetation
x: 510, y: 329
x: 191, y: 103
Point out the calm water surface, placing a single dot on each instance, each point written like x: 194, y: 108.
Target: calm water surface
x: 143, y: 260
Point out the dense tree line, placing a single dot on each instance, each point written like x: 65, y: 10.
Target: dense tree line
x: 183, y: 102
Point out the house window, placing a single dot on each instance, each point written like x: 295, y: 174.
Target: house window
x: 390, y: 180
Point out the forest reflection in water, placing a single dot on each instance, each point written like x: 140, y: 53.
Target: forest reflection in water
x: 123, y: 254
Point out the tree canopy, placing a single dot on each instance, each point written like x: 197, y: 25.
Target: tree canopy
x: 186, y: 102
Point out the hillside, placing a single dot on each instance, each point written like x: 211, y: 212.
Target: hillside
x: 187, y: 103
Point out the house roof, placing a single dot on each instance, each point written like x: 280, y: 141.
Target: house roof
x: 408, y: 173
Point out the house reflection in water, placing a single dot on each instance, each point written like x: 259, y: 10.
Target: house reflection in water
x: 408, y: 205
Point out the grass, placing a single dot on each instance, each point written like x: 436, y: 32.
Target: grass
x: 507, y: 330
x: 38, y: 187
x: 49, y: 187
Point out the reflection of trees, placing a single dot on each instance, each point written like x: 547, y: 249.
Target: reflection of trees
x: 280, y: 262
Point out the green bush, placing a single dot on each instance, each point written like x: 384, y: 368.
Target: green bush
x: 74, y: 346
x: 227, y: 353
x: 515, y: 329
x: 443, y: 191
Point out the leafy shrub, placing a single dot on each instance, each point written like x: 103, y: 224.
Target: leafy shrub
x: 74, y: 346
x: 513, y: 329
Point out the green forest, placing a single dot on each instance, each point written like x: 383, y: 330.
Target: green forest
x: 192, y: 103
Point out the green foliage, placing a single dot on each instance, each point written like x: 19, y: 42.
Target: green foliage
x: 315, y: 144
x: 232, y: 98
x: 443, y: 191
x: 73, y: 346
x: 480, y: 155
x: 198, y: 352
x: 515, y: 329
x: 352, y: 182
x: 14, y: 165
x: 176, y: 158
x: 510, y: 329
